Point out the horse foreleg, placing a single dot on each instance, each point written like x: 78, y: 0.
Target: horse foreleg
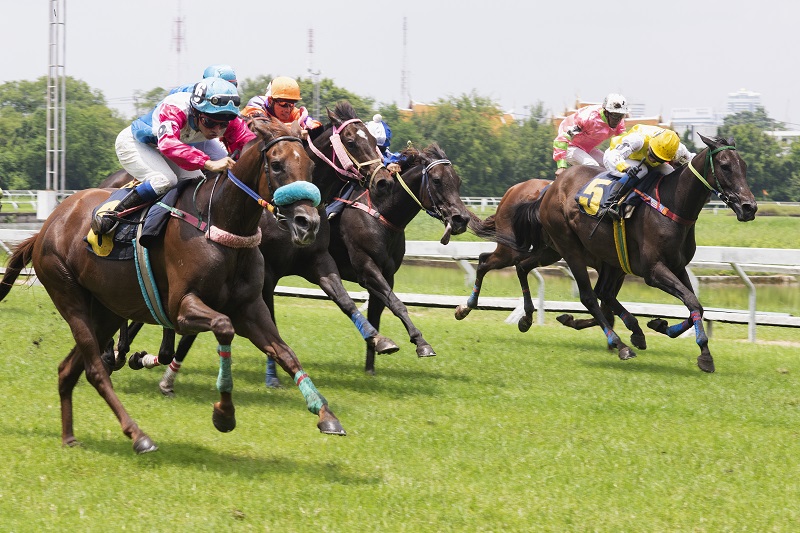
x: 524, y: 268
x: 607, y: 288
x: 167, y: 383
x: 195, y: 315
x: 679, y: 285
x: 257, y: 325
x: 486, y: 263
x: 332, y: 285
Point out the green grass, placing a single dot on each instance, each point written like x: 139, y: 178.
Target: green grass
x: 503, y: 431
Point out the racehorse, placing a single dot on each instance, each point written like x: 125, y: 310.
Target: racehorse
x: 368, y: 239
x: 655, y: 244
x: 282, y: 257
x: 208, y: 284
x: 524, y: 261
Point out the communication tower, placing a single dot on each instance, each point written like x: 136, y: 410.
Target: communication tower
x: 405, y: 93
x: 314, y: 73
x: 56, y: 100
x: 178, y: 41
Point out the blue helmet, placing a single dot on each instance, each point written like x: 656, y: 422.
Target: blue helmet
x: 213, y: 96
x: 221, y: 71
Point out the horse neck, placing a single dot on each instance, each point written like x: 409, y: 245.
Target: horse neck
x: 399, y: 207
x: 231, y: 208
x: 324, y: 176
x: 686, y: 195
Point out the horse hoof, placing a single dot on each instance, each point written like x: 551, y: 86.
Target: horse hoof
x: 525, y: 324
x: 626, y: 353
x: 331, y: 427
x: 273, y: 383
x: 639, y: 341
x: 144, y: 445
x: 706, y: 363
x: 119, y: 362
x: 71, y: 442
x: 384, y: 345
x: 166, y: 390
x: 566, y: 319
x: 135, y: 361
x: 462, y: 311
x: 425, y: 351
x: 223, y: 422
x: 658, y: 324
x: 370, y: 371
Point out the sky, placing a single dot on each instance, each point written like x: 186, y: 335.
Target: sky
x: 665, y: 55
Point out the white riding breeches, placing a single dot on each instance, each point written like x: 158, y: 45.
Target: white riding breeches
x: 145, y: 163
x: 577, y: 156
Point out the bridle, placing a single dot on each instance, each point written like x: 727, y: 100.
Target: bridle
x: 348, y: 162
x: 709, y: 162
x: 436, y: 211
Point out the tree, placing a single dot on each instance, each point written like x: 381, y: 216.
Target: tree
x: 757, y: 118
x: 91, y: 129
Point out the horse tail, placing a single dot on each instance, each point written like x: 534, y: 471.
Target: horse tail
x: 527, y: 227
x: 485, y: 229
x: 21, y: 257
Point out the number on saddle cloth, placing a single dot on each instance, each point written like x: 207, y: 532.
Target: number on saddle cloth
x: 594, y: 193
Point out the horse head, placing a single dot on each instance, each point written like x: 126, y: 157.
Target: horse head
x: 284, y: 180
x: 438, y: 191
x: 353, y: 151
x: 726, y: 173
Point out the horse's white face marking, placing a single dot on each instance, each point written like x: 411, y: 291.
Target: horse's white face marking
x: 296, y: 154
x: 362, y: 134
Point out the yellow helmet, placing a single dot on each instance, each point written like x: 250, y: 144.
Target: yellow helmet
x: 284, y: 88
x: 665, y: 144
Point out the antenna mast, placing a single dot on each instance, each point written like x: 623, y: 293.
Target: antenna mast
x: 314, y: 73
x: 404, y: 91
x: 56, y: 100
x: 178, y: 40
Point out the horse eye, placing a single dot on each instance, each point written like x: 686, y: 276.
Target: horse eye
x: 276, y: 166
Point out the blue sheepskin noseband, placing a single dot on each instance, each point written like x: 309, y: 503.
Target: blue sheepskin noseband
x: 296, y: 191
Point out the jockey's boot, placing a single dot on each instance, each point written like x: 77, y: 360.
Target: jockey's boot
x: 105, y: 221
x: 612, y: 206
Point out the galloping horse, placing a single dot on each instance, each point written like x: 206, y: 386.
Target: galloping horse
x: 313, y: 261
x: 207, y: 284
x: 655, y: 244
x: 505, y: 255
x: 368, y: 239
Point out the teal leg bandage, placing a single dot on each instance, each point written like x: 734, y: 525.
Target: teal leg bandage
x: 225, y: 379
x: 314, y: 400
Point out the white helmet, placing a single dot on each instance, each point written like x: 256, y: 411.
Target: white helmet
x: 615, y: 103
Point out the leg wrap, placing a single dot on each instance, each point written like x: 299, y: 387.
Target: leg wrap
x: 225, y: 379
x: 362, y: 324
x: 314, y: 400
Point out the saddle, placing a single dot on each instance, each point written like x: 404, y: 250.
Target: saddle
x: 597, y: 190
x: 118, y: 244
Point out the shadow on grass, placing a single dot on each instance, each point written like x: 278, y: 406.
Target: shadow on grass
x: 185, y: 454
x: 642, y: 364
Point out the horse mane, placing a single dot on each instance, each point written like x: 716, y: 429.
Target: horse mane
x: 343, y: 111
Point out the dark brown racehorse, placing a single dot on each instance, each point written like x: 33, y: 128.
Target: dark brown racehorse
x: 658, y: 238
x: 204, y: 285
x: 368, y: 239
x: 505, y: 255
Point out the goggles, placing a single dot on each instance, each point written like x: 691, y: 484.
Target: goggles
x: 211, y: 123
x: 284, y: 103
x: 223, y: 99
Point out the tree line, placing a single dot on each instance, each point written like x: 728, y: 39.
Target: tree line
x: 490, y: 154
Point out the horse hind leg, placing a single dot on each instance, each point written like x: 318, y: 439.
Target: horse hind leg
x: 486, y: 263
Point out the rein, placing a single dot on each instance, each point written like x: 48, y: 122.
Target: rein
x: 708, y: 162
x: 346, y: 158
x: 426, y: 184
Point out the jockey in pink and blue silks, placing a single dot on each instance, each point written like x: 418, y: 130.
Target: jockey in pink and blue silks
x: 580, y: 133
x: 178, y: 140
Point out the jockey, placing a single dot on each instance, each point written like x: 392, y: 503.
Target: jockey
x: 634, y: 154
x: 177, y: 141
x: 280, y: 101
x: 380, y: 130
x: 225, y: 72
x: 580, y: 133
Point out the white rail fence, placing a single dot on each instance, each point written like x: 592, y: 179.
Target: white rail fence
x: 741, y: 260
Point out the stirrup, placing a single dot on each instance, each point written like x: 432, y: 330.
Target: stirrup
x: 104, y: 223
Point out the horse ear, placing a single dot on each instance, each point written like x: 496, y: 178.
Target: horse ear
x: 706, y: 140
x: 296, y: 130
x: 333, y: 117
x: 731, y: 142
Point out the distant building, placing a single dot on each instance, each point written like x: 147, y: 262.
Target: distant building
x: 743, y: 100
x: 696, y: 120
x: 785, y: 138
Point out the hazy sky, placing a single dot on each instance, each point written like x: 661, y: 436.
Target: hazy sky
x: 678, y: 53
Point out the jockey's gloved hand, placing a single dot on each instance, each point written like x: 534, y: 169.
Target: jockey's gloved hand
x: 633, y: 173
